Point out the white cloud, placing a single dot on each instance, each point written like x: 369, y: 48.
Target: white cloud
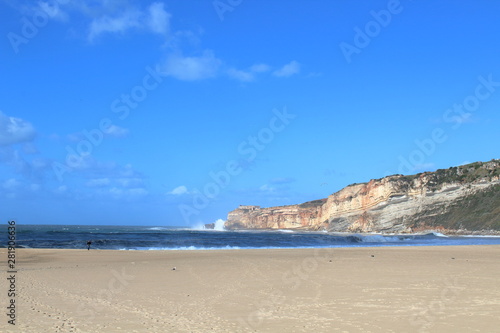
x: 117, y: 131
x: 191, y: 68
x: 155, y: 19
x: 13, y: 188
x: 248, y: 75
x: 53, y: 10
x: 15, y: 130
x: 267, y: 188
x: 117, y: 24
x: 240, y: 75
x: 113, y: 17
x: 159, y: 19
x: 288, y: 70
x: 180, y: 190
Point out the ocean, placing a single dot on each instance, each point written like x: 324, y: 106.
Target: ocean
x: 172, y: 238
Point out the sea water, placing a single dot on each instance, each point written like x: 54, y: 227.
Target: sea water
x: 178, y: 238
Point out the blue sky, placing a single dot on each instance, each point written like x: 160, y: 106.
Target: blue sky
x: 176, y: 112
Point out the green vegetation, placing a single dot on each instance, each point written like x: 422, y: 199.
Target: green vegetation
x: 478, y: 211
x: 314, y: 203
x: 353, y: 184
x: 462, y: 174
x: 467, y: 173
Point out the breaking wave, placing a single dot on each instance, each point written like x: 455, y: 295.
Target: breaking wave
x: 171, y: 238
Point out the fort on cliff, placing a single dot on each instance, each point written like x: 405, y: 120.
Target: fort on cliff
x: 461, y: 199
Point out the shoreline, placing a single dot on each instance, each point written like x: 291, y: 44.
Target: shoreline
x: 249, y: 249
x: 446, y: 232
x: 262, y: 248
x: 353, y: 289
x: 423, y: 232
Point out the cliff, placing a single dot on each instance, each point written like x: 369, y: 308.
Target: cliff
x: 458, y: 199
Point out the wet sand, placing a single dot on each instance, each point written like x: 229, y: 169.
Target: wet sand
x: 384, y: 289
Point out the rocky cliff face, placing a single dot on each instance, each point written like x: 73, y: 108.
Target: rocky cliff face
x: 431, y: 200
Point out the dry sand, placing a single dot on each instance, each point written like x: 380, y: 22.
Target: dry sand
x: 398, y: 289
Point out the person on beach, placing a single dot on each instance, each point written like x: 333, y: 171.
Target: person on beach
x: 88, y: 244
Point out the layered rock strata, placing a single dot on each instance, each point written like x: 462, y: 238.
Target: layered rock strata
x: 430, y: 200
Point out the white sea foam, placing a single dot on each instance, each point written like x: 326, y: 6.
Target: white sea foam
x: 438, y: 234
x: 184, y: 248
x: 377, y: 238
x: 219, y: 225
x: 480, y: 236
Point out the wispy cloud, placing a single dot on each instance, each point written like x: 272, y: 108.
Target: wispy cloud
x: 159, y: 19
x: 240, y: 75
x: 155, y: 19
x: 191, y: 68
x: 118, y: 18
x: 248, y: 74
x: 15, y: 130
x: 251, y: 73
x: 267, y: 188
x: 53, y: 10
x: 117, y: 131
x: 288, y: 70
x: 14, y: 188
x: 179, y: 190
x: 118, y: 24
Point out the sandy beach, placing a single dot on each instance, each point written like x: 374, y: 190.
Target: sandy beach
x: 384, y: 289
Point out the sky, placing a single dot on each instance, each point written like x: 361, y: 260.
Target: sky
x: 176, y: 112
